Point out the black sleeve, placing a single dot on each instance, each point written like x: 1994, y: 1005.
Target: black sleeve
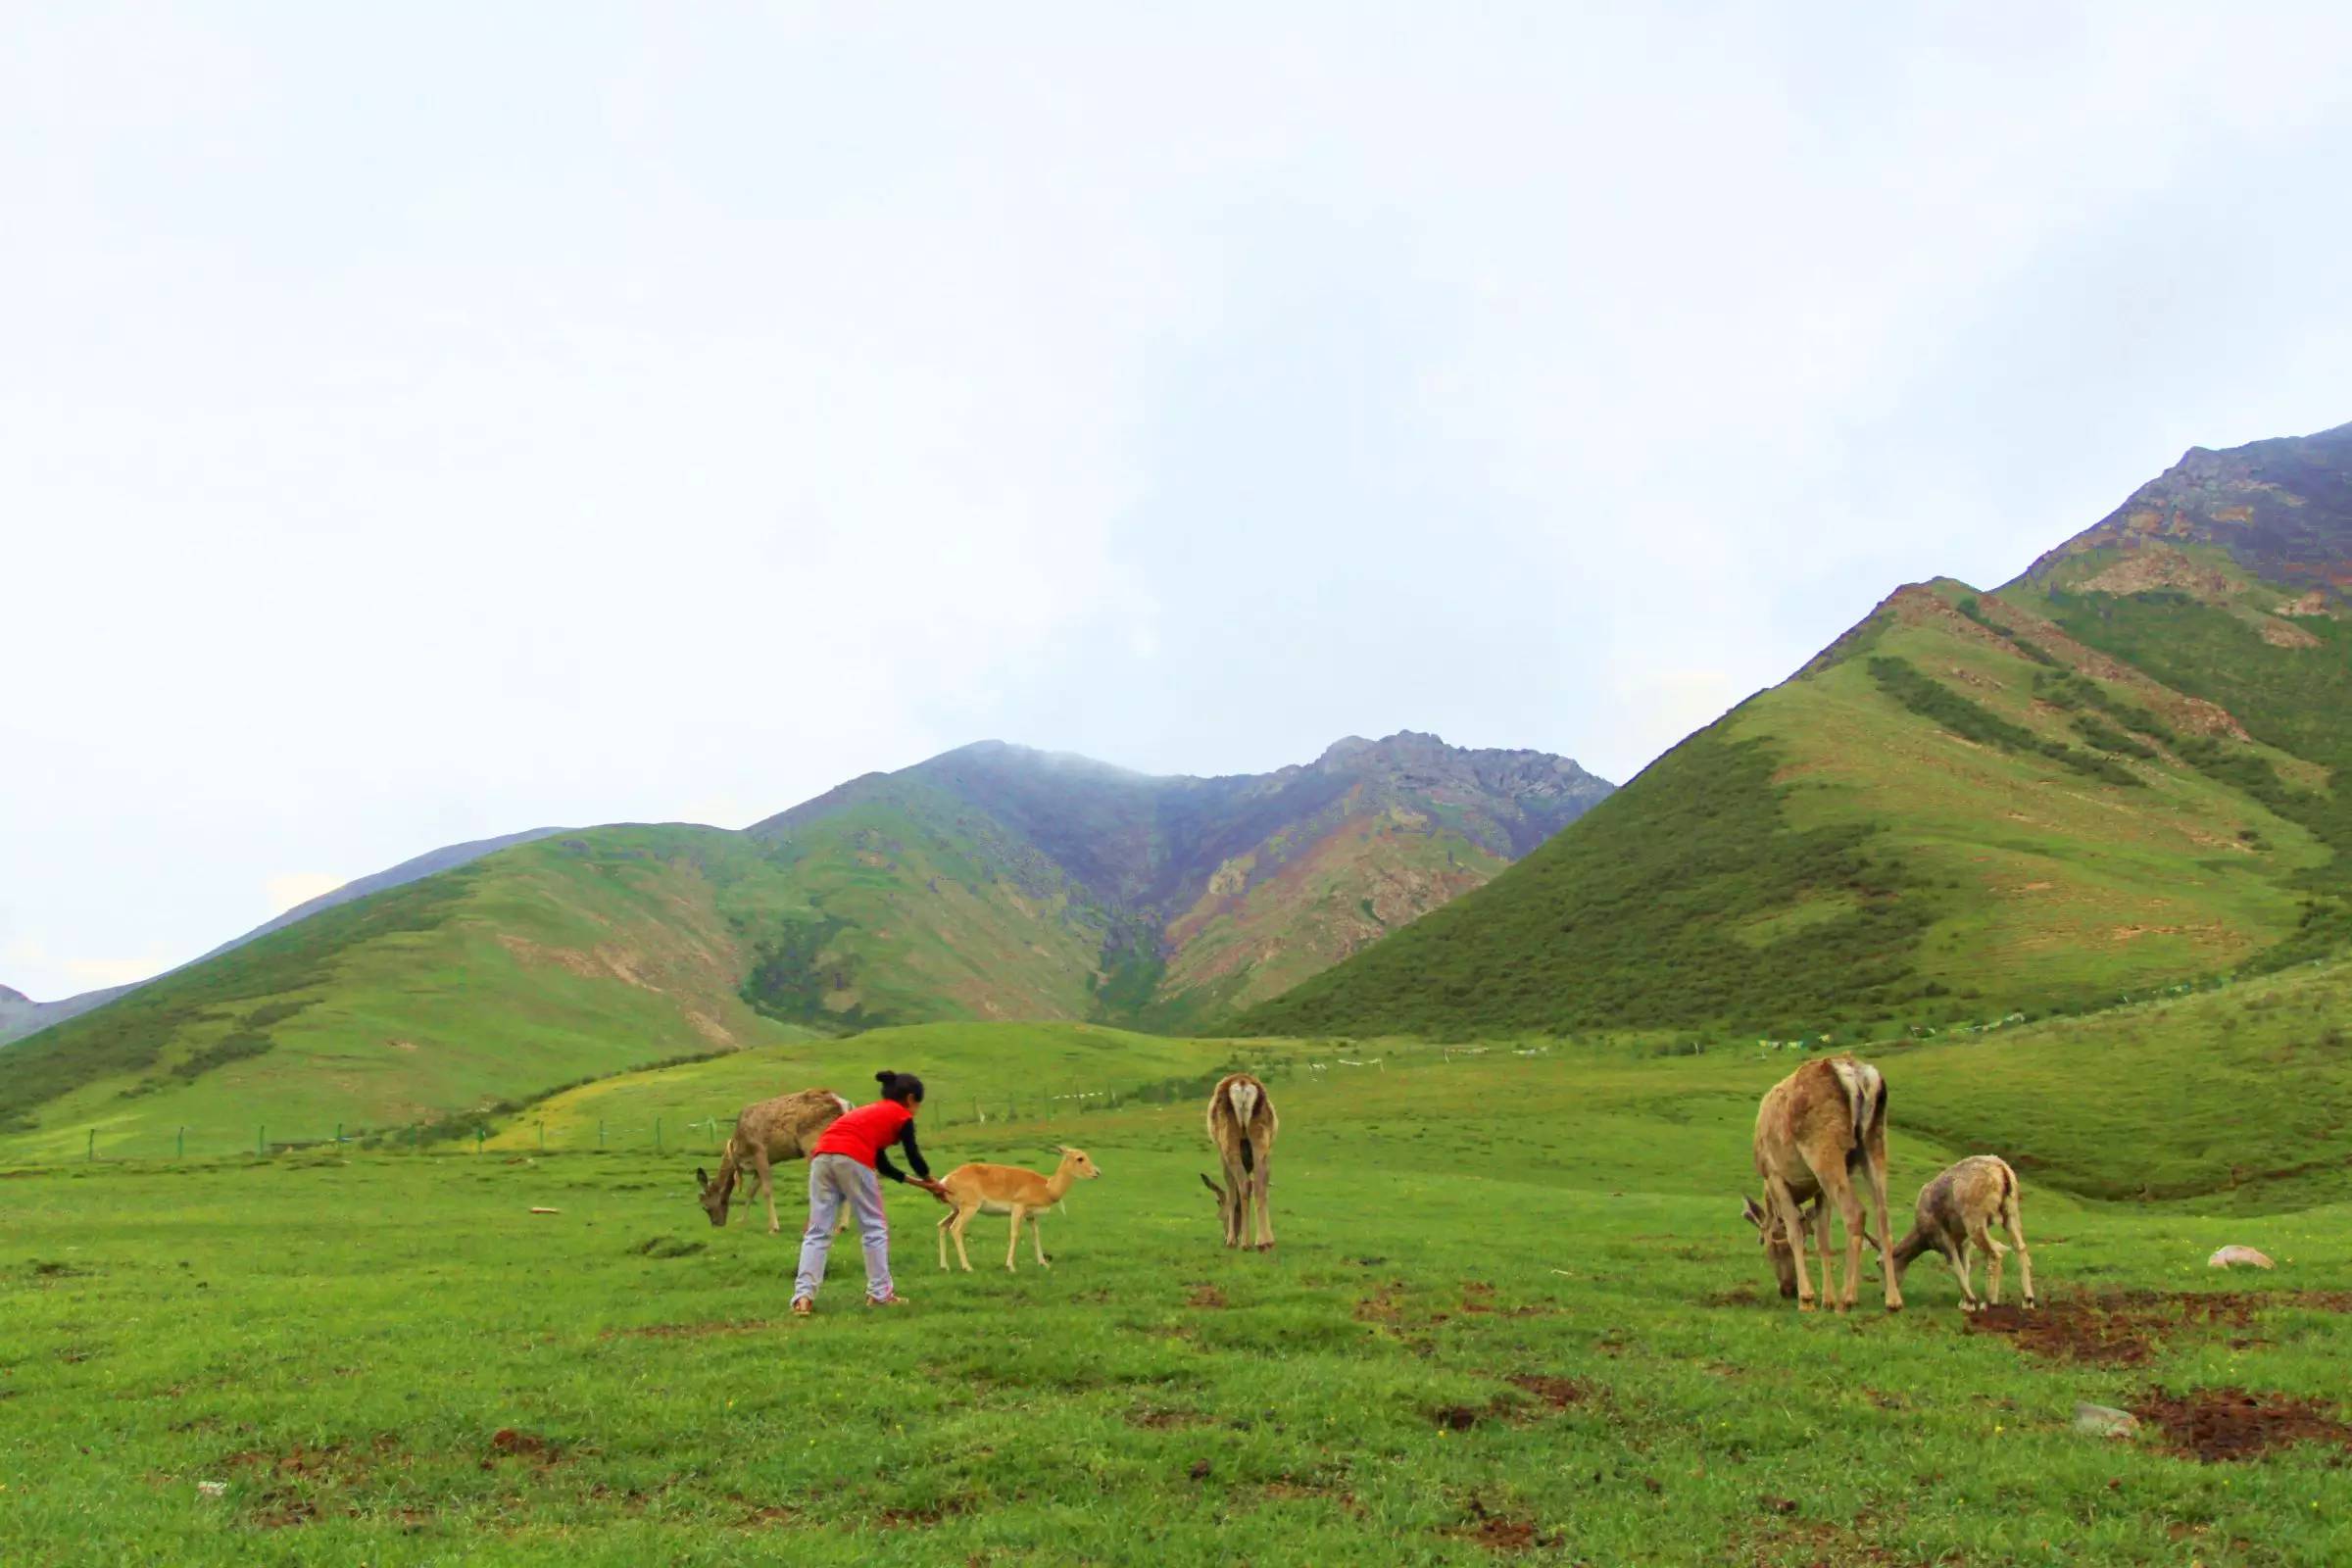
x: 914, y: 1155
x: 883, y: 1166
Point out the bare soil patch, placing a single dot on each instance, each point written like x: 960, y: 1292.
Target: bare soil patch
x: 1206, y: 1296
x: 1501, y: 1532
x: 1558, y: 1392
x: 687, y: 1331
x: 2126, y: 1328
x: 509, y: 1443
x: 2218, y: 1425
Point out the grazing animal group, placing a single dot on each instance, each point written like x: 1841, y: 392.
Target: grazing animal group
x: 1820, y: 1144
x: 1240, y: 1124
x: 1820, y: 1127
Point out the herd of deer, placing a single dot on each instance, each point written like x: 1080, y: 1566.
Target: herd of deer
x: 1817, y: 1131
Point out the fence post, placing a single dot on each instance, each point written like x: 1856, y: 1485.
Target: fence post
x: 543, y: 1138
x: 261, y: 1140
x: 657, y: 1135
x: 182, y: 1152
x: 599, y: 1134
x: 338, y: 1135
x: 91, y: 1151
x: 479, y: 1133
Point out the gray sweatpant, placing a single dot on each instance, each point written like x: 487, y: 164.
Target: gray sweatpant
x: 833, y: 1180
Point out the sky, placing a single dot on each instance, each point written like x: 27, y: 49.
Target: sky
x: 424, y: 422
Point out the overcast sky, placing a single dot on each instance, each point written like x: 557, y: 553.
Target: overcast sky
x: 419, y: 423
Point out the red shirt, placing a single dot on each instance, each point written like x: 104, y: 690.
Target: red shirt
x: 864, y: 1132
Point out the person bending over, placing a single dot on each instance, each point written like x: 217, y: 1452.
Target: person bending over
x: 845, y: 1167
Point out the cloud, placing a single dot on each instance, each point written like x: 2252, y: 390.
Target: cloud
x: 762, y: 398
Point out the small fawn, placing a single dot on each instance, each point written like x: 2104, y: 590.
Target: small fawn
x: 979, y: 1189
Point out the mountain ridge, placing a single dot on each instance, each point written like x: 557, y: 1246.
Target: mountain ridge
x: 2129, y: 768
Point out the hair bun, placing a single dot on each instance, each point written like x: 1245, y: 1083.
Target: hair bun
x: 885, y: 1077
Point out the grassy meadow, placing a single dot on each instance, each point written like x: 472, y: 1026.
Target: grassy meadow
x: 1514, y: 1316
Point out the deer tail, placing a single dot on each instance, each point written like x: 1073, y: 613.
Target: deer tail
x: 1243, y: 1096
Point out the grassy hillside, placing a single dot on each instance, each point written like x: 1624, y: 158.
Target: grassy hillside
x: 1188, y: 898
x: 1958, y: 813
x: 992, y: 883
x: 1513, y: 1315
x: 559, y: 961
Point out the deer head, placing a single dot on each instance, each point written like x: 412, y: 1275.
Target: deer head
x: 1776, y: 1244
x: 714, y: 1194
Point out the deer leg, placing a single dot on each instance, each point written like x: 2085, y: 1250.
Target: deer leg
x: 1875, y: 1162
x: 1231, y: 1200
x: 1821, y: 1244
x: 768, y: 1191
x: 1851, y: 1212
x: 1983, y: 1243
x: 1957, y: 1256
x: 1037, y: 1241
x: 1265, y: 1214
x: 1012, y: 1243
x: 944, y: 1220
x: 963, y: 1217
x: 2025, y: 1260
x: 1791, y: 1221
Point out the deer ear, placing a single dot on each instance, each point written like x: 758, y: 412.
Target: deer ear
x: 700, y: 1179
x: 1752, y: 1212
x: 1058, y: 1150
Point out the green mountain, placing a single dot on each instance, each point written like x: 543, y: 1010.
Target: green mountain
x: 993, y: 882
x: 1086, y: 891
x: 21, y: 1015
x: 2122, y: 771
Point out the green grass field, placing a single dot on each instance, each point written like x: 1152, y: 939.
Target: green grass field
x: 1514, y: 1316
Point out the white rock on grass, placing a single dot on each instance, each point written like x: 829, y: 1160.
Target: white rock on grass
x: 2239, y: 1258
x: 2105, y: 1421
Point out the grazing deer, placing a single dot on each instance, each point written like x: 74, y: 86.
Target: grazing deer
x: 1242, y: 1124
x: 1815, y: 1128
x: 774, y: 1130
x: 1956, y: 1211
x: 978, y: 1189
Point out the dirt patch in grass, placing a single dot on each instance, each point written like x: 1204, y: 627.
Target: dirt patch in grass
x: 2123, y: 1328
x: 2217, y: 1425
x: 1456, y: 1417
x: 1558, y: 1392
x: 1503, y: 1533
x: 1206, y: 1296
x: 1154, y: 1419
x: 1737, y: 1295
x: 1808, y: 1544
x: 686, y: 1331
x: 1380, y: 1307
x: 509, y: 1443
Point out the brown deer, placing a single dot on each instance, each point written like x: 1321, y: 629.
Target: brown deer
x: 1956, y: 1211
x: 766, y: 1132
x: 978, y: 1189
x: 1814, y: 1130
x: 1242, y: 1124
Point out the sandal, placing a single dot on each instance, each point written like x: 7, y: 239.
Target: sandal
x: 802, y: 1306
x: 894, y: 1299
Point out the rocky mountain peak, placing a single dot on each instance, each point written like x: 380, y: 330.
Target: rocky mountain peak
x: 11, y: 994
x: 2281, y: 508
